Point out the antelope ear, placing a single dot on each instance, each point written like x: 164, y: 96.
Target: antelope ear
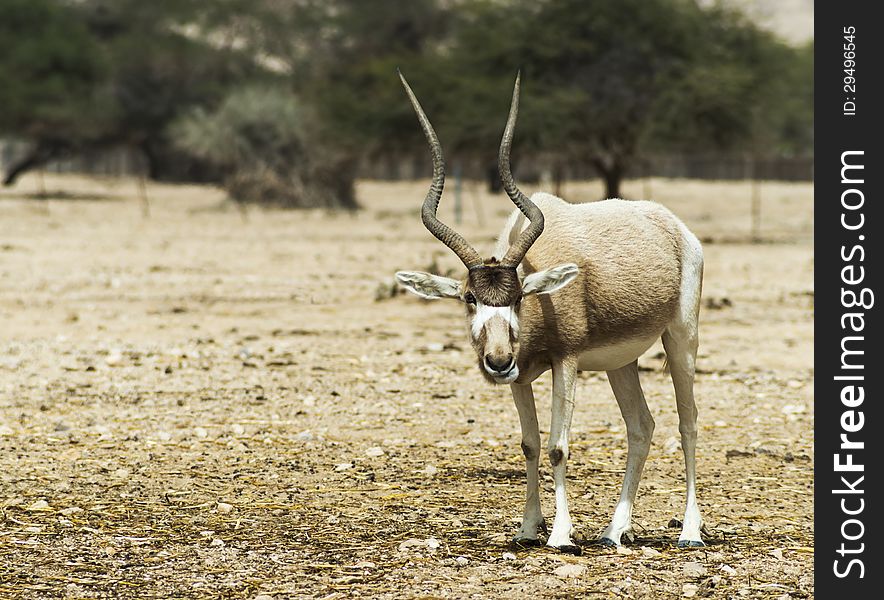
x: 550, y: 280
x: 428, y: 286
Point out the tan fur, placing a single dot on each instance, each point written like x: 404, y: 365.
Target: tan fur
x: 629, y: 256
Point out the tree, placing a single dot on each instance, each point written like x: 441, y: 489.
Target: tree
x: 271, y: 148
x: 51, y: 78
x: 100, y: 73
x: 603, y: 81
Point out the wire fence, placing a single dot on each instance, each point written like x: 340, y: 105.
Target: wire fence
x: 123, y: 161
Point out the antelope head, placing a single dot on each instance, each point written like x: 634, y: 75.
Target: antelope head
x: 493, y: 289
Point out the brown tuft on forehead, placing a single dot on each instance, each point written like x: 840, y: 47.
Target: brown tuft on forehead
x: 495, y: 285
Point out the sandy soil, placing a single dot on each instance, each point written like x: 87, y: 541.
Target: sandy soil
x: 206, y: 404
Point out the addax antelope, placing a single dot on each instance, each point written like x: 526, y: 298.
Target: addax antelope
x: 576, y: 287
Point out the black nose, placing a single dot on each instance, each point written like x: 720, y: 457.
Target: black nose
x: 501, y: 364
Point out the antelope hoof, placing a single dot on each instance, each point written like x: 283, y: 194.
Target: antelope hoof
x: 569, y: 549
x: 607, y: 542
x: 691, y: 544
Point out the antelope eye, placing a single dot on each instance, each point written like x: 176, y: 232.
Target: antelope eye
x: 469, y: 298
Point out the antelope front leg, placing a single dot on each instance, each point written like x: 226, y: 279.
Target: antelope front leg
x: 532, y: 520
x: 564, y: 380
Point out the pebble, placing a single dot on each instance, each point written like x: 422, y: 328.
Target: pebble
x: 432, y: 543
x: 217, y: 542
x: 114, y: 359
x: 623, y: 550
x: 462, y: 561
x: 693, y: 569
x: 71, y: 510
x: 164, y: 436
x: 728, y: 569
x: 39, y: 505
x: 365, y: 564
x: 509, y: 556
x: 224, y: 508
x: 201, y: 432
x: 263, y: 597
x: 689, y: 590
x: 650, y: 552
x: 570, y: 571
x: 237, y: 429
x: 777, y: 554
x: 375, y: 451
x: 671, y: 445
x: 6, y: 430
x: 411, y: 543
x: 343, y: 467
x: 305, y: 436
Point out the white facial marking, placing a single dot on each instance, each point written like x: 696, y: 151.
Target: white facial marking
x: 486, y: 313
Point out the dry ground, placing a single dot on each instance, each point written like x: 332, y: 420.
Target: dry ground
x: 199, y: 404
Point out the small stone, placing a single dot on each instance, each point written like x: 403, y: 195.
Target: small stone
x: 777, y: 554
x: 5, y: 429
x: 39, y: 505
x: 689, y: 590
x: 217, y: 542
x: 671, y: 445
x: 430, y: 470
x: 201, y: 432
x: 263, y: 597
x: 121, y: 473
x: 433, y: 543
x: 224, y: 508
x: 71, y: 510
x: 566, y: 571
x: 164, y: 436
x: 693, y: 569
x: 411, y: 543
x: 434, y: 347
x: 462, y: 561
x: 623, y: 550
x: 375, y: 451
x: 728, y: 569
x: 649, y: 552
x: 509, y: 556
x: 237, y: 429
x: 365, y: 564
x: 114, y: 359
x: 343, y: 467
x: 309, y: 400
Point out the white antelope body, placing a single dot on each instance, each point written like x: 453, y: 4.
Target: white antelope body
x: 625, y: 273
